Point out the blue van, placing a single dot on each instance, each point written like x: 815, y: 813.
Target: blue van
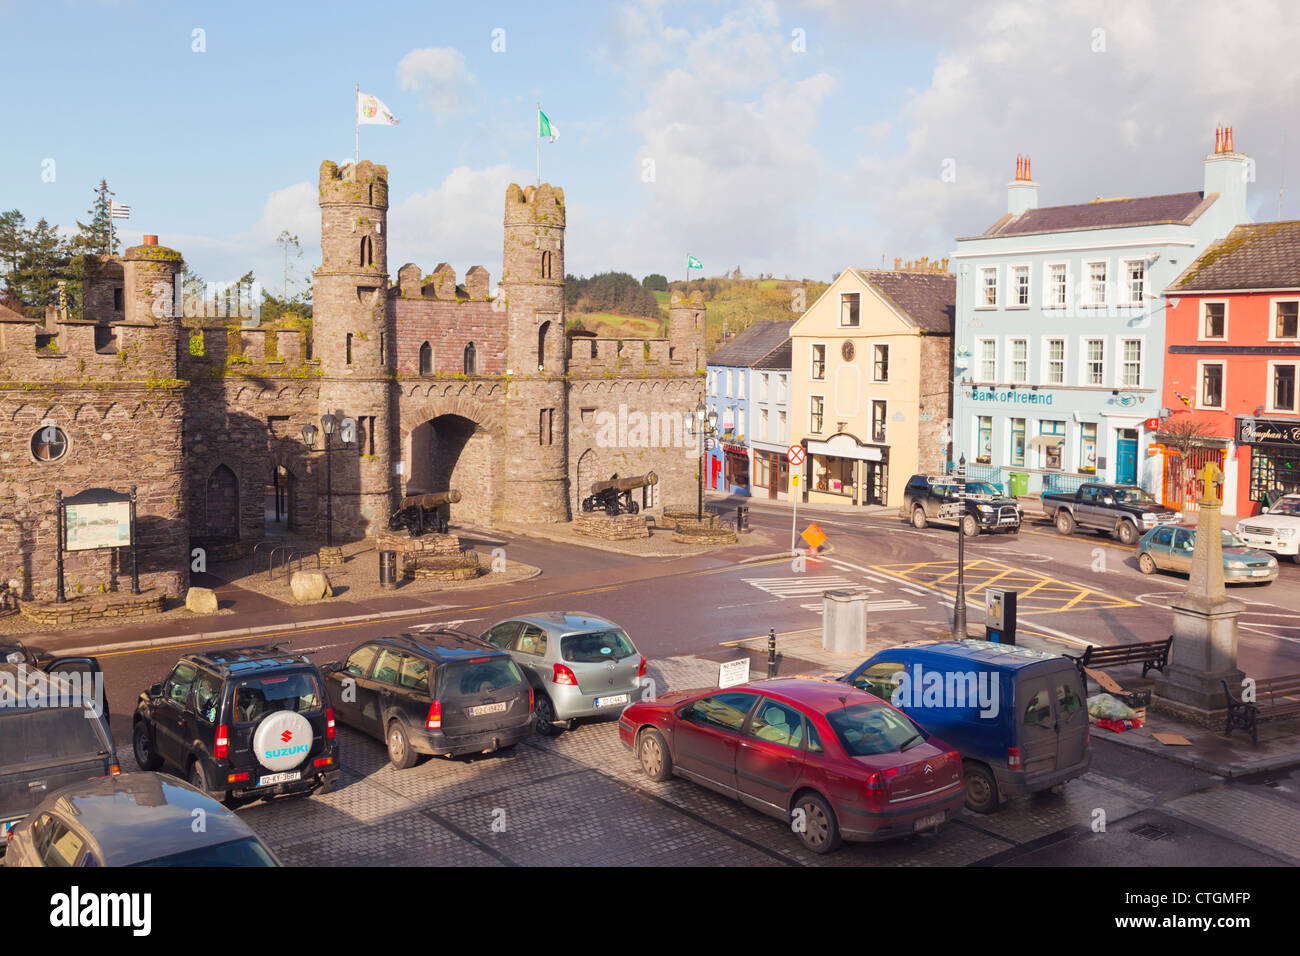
x: 1018, y: 716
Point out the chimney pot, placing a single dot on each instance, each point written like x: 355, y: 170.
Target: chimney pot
x: 151, y: 240
x: 1227, y: 145
x: 1218, y: 139
x: 1027, y: 176
x: 1020, y: 168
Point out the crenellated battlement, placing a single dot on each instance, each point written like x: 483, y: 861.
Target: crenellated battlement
x: 365, y: 184
x: 542, y: 204
x: 598, y: 356
x: 441, y: 284
x: 214, y: 351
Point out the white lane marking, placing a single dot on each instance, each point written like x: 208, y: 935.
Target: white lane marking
x: 421, y: 628
x: 912, y: 591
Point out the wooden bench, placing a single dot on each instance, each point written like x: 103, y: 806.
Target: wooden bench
x: 1152, y: 655
x: 1274, y: 697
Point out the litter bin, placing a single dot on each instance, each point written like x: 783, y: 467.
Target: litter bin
x: 1018, y: 484
x: 742, y: 517
x: 388, y: 569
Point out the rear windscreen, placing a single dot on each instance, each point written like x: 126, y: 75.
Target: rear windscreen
x: 38, y: 736
x: 596, y: 646
x: 480, y: 676
x: 259, y: 696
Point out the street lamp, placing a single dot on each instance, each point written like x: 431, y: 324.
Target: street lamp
x: 959, y: 604
x: 706, y: 425
x: 309, y: 432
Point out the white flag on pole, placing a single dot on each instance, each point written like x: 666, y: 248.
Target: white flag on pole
x: 117, y: 210
x: 371, y: 110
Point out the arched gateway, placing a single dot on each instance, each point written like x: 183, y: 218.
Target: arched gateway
x: 457, y: 444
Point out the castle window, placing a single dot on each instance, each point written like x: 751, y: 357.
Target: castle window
x: 105, y: 339
x: 546, y: 265
x: 541, y: 345
x: 49, y: 444
x: 383, y: 351
x: 367, y: 252
x: 470, y: 364
x: 426, y: 359
x: 117, y: 300
x: 544, y: 418
x: 349, y: 355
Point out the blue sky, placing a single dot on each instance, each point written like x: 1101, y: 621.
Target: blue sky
x: 787, y: 138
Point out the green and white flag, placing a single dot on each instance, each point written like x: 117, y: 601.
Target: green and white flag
x: 693, y: 263
x: 372, y: 111
x: 546, y: 128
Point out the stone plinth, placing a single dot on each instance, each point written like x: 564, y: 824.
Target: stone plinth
x: 460, y: 567
x: 672, y: 517
x: 611, y: 527
x: 330, y: 556
x: 408, y: 544
x: 101, y: 607
x: 708, y: 532
x: 844, y: 622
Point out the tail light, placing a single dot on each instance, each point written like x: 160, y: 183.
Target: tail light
x: 877, y: 785
x: 114, y: 770
x: 1013, y: 758
x: 563, y: 675
x: 530, y: 698
x: 323, y: 761
x: 434, y: 720
x: 223, y: 742
x: 640, y: 671
x: 329, y: 723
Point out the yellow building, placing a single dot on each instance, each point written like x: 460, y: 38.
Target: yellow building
x: 871, y: 384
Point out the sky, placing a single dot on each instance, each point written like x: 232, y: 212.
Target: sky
x: 786, y: 138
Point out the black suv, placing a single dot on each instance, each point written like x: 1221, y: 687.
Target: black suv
x: 52, y: 735
x: 985, y: 508
x: 85, y: 668
x: 240, y: 724
x: 439, y: 693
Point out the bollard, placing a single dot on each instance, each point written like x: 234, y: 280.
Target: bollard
x: 742, y: 518
x: 388, y: 569
x: 771, y: 652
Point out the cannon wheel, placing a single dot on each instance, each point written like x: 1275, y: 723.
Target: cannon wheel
x: 588, y: 505
x: 632, y: 507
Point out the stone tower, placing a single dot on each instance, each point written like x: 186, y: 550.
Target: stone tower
x: 149, y: 306
x: 686, y: 329
x: 351, y: 339
x: 536, y: 415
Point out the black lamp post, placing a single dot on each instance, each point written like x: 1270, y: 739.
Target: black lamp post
x: 959, y: 604
x: 706, y: 423
x: 327, y: 423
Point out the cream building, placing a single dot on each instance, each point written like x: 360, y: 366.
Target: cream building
x: 871, y: 394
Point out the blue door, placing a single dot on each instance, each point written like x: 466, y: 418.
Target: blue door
x: 1126, y: 456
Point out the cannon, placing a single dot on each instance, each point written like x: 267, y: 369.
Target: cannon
x: 615, y: 495
x: 420, y: 513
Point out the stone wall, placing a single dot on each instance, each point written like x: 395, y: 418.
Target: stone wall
x: 935, y: 404
x: 448, y: 327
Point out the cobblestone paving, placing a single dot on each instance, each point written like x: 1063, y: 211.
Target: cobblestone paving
x: 580, y: 799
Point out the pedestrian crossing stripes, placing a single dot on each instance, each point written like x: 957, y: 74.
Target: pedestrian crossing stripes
x: 805, y: 585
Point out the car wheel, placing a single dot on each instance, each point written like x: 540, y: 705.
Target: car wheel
x: 1146, y: 564
x: 969, y: 526
x: 1065, y: 522
x: 981, y: 787
x: 652, y: 751
x: 400, y: 752
x: 919, y: 521
x: 1295, y: 558
x: 199, y: 778
x: 820, y: 833
x: 1128, y: 532
x: 145, y: 757
x: 547, y: 722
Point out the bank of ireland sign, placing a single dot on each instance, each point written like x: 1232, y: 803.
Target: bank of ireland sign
x: 1019, y: 396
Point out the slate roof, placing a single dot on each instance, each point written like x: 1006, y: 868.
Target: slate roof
x: 752, y: 344
x: 779, y: 358
x: 1261, y: 255
x: 929, y: 298
x: 9, y: 315
x: 1179, y: 208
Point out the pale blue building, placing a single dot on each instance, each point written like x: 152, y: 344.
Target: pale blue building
x: 1060, y: 328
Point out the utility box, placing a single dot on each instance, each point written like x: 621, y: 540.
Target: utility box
x: 844, y: 622
x: 1000, y: 615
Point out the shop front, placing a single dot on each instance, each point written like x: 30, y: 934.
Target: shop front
x: 844, y: 469
x: 736, y: 468
x: 771, y: 475
x: 1270, y: 449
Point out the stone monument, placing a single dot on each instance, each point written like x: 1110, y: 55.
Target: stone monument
x: 1204, y: 651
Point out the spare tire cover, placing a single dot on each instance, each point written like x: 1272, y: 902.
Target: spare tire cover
x: 282, y: 740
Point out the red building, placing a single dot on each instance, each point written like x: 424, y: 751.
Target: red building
x: 1232, y: 340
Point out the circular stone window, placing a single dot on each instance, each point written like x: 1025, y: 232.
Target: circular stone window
x: 847, y: 351
x: 49, y: 443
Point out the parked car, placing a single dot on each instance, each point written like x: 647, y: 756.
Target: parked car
x: 439, y: 693
x: 1026, y: 730
x: 240, y: 724
x: 579, y: 665
x: 135, y: 819
x: 16, y: 652
x: 1277, y: 530
x: 46, y: 742
x: 1125, y: 511
x: 1171, y: 549
x: 985, y: 508
x: 836, y: 763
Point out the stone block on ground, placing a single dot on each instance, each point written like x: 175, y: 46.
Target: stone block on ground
x: 611, y: 527
x: 310, y: 586
x: 201, y: 601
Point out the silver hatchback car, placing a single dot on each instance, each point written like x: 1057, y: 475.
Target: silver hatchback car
x: 579, y: 665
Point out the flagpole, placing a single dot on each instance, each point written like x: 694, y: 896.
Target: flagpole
x: 356, y: 127
x: 539, y: 143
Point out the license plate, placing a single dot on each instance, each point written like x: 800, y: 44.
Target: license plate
x: 483, y: 709
x: 1259, y: 574
x: 611, y: 701
x: 274, y: 778
x: 933, y: 820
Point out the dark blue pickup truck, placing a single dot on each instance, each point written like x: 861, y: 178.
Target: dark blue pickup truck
x: 1125, y: 511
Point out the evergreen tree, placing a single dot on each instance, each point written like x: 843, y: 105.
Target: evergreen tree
x: 93, y: 238
x: 45, y: 262
x: 13, y: 245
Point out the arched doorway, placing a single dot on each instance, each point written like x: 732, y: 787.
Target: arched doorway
x: 453, y: 452
x: 221, y: 504
x: 280, y: 502
x: 584, y: 473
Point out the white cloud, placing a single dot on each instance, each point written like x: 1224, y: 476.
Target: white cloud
x: 439, y: 75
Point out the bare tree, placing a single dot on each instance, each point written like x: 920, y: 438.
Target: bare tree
x: 1184, y: 434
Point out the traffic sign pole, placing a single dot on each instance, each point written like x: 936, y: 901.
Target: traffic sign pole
x: 795, y: 455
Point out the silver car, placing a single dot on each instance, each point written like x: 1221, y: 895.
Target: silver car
x: 579, y: 665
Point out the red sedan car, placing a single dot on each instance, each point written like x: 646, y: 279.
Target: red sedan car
x: 837, y: 762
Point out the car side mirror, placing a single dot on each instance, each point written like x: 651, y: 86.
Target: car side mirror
x: 155, y: 690
x: 685, y: 711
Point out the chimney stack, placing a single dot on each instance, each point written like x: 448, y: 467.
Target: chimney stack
x: 1022, y: 192
x: 1225, y: 174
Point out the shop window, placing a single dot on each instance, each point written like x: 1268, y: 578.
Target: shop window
x: 1017, y: 441
x: 984, y: 440
x: 1088, y: 448
x: 1055, y: 432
